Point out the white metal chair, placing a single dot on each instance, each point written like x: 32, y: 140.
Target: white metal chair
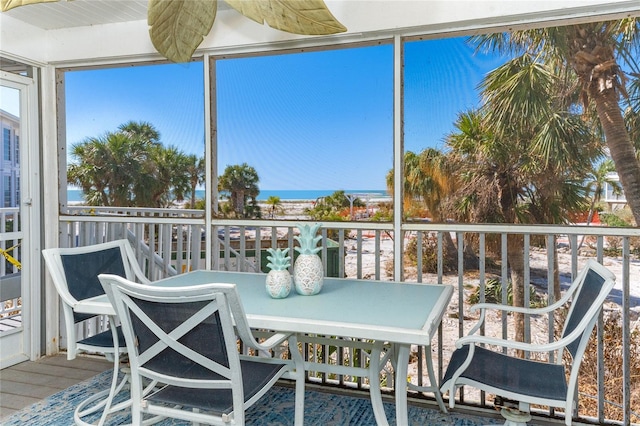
x: 74, y: 272
x: 525, y: 380
x: 186, y: 338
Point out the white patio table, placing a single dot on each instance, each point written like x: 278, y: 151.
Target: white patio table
x: 387, y: 313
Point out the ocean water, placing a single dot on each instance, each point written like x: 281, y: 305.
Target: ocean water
x: 75, y: 195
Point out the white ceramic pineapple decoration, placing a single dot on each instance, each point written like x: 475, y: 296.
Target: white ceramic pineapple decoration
x: 308, y: 273
x: 278, y: 279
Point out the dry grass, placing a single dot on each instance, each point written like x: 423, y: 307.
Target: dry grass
x: 613, y: 377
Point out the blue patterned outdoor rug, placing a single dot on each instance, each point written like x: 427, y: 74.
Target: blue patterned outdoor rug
x: 274, y: 409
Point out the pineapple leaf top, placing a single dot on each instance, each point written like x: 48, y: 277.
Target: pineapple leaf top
x: 278, y: 261
x: 308, y: 239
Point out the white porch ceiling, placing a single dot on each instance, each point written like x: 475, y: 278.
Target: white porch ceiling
x: 78, y: 13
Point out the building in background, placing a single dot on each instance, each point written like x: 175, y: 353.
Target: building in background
x: 10, y: 164
x: 614, y: 200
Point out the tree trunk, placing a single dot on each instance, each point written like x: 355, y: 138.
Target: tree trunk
x: 620, y: 146
x: 449, y: 249
x: 557, y: 294
x: 470, y: 257
x: 193, y: 197
x: 238, y: 202
x: 589, y: 219
x: 515, y: 255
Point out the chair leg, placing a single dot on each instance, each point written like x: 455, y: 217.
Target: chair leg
x: 102, y: 401
x: 515, y: 417
x: 299, y: 403
x: 195, y: 410
x: 433, y: 381
x: 433, y: 387
x: 136, y: 400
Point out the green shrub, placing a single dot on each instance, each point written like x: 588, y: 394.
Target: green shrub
x: 493, y: 294
x: 429, y: 255
x: 611, y: 219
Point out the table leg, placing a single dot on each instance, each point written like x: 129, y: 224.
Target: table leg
x: 296, y: 355
x: 402, y: 368
x: 374, y: 384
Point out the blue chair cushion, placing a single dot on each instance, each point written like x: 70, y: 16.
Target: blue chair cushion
x: 516, y: 375
x: 105, y: 339
x: 255, y: 375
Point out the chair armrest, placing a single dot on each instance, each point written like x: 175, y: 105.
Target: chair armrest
x: 509, y: 308
x: 483, y: 307
x: 511, y: 344
x: 531, y: 311
x: 143, y: 280
x: 547, y: 347
x: 270, y: 343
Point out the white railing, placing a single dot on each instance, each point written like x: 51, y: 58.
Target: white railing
x: 10, y: 289
x: 365, y: 250
x: 10, y: 302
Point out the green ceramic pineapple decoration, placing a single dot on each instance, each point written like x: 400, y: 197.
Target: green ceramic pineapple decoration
x: 308, y: 272
x: 278, y: 282
x: 278, y: 261
x: 308, y: 239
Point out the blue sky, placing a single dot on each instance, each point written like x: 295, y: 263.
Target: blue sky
x: 10, y: 100
x: 315, y: 120
x: 169, y: 96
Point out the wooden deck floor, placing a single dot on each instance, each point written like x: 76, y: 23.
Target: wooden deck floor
x: 26, y: 383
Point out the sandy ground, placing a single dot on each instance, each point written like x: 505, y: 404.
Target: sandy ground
x: 288, y: 210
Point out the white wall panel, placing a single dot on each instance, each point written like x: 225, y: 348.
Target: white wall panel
x: 21, y: 41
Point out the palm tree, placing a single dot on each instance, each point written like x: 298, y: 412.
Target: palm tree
x: 126, y: 163
x: 129, y: 168
x: 490, y: 178
x: 411, y: 180
x: 107, y: 168
x: 426, y: 180
x: 593, y: 54
x: 275, y: 203
x: 632, y: 112
x: 241, y: 181
x: 442, y: 180
x: 165, y: 178
x: 195, y: 172
x: 141, y: 130
x: 88, y: 172
x: 597, y: 180
x: 521, y: 158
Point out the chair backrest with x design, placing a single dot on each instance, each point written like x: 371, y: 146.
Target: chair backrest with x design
x: 75, y: 270
x: 185, y: 338
x: 184, y: 341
